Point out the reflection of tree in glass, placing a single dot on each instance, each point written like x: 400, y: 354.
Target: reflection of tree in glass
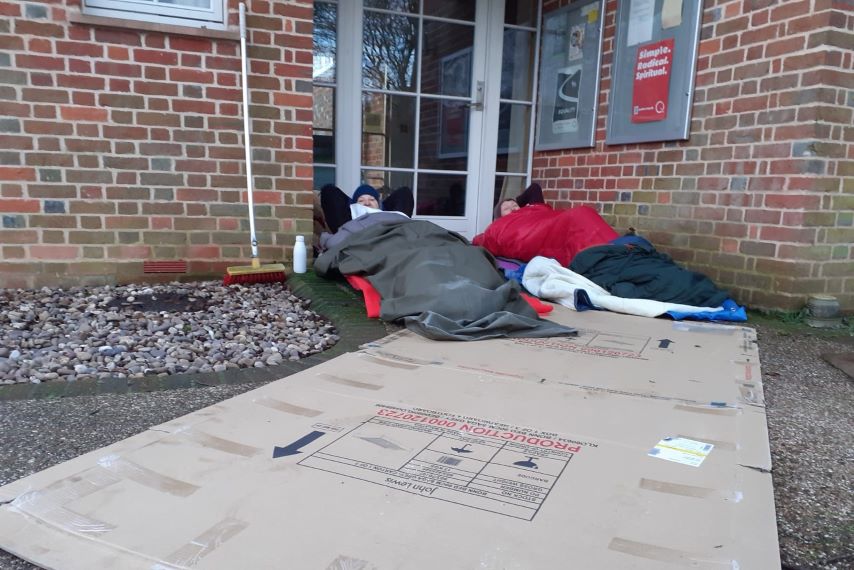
x: 325, y: 25
x: 388, y: 52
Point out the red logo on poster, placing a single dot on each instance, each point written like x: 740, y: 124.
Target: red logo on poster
x: 652, y: 81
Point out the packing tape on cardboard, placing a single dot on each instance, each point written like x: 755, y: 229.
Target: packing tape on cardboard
x: 388, y: 339
x: 349, y: 563
x: 705, y: 328
x: 348, y: 382
x: 690, y: 490
x: 49, y: 504
x: 191, y: 553
x: 718, y: 443
x: 146, y: 477
x: 669, y: 555
x: 39, y: 506
x: 221, y: 444
x: 711, y: 410
x: 392, y: 360
x: 750, y: 394
x: 286, y: 407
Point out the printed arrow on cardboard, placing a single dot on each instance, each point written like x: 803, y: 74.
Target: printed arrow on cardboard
x: 664, y: 343
x: 293, y: 448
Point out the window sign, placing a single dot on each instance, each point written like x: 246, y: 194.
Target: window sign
x: 655, y: 60
x: 569, y: 76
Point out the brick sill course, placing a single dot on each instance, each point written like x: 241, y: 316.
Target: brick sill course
x: 333, y: 300
x: 139, y: 25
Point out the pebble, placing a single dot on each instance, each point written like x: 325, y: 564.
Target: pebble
x: 60, y: 335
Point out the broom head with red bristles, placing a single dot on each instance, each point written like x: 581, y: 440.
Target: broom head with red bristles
x: 255, y: 273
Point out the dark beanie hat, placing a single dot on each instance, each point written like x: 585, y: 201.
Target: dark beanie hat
x: 365, y: 189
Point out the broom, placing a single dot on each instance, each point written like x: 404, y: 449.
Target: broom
x: 254, y: 273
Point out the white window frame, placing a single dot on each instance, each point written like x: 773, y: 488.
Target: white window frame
x: 159, y: 13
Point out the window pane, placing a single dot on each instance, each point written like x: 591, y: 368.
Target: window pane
x: 443, y: 135
x: 324, y: 124
x: 388, y: 130
x: 410, y: 6
x: 385, y: 182
x: 517, y: 61
x: 440, y: 195
x: 389, y: 49
x: 507, y: 187
x: 514, y: 122
x: 455, y: 9
x: 206, y: 4
x: 446, y: 61
x: 323, y: 176
x: 325, y: 41
x: 520, y: 12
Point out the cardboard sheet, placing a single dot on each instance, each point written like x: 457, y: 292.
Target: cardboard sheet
x: 417, y: 454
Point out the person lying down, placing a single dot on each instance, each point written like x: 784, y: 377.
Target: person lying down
x: 525, y: 227
x: 429, y: 278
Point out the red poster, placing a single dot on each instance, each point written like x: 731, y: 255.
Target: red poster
x: 652, y: 81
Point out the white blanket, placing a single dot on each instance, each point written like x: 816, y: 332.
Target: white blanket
x: 546, y: 278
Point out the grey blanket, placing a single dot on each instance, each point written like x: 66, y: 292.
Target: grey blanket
x: 440, y: 285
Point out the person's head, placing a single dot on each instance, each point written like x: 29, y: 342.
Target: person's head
x: 507, y: 206
x: 366, y: 195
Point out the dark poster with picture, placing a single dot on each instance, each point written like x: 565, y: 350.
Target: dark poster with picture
x: 565, y: 116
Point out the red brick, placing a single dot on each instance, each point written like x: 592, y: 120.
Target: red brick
x: 155, y: 56
x: 83, y: 114
x: 118, y: 69
x: 23, y: 61
x: 190, y: 75
x: 792, y: 201
x: 10, y: 9
x: 18, y: 236
x: 117, y: 36
x: 80, y: 48
x: 38, y: 28
x: 796, y: 235
x: 15, y: 173
x: 19, y: 206
x: 180, y: 43
x: 79, y: 66
x: 155, y: 88
x: 54, y: 251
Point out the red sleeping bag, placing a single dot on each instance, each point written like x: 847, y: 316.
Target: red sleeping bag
x: 538, y: 229
x: 373, y: 300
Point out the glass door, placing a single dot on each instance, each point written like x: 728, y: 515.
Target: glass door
x: 421, y: 69
x: 414, y: 99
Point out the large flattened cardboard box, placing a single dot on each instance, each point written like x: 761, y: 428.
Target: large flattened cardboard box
x: 640, y: 443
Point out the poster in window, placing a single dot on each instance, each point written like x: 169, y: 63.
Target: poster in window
x: 656, y: 45
x: 570, y: 64
x: 651, y: 87
x: 565, y: 116
x: 576, y: 42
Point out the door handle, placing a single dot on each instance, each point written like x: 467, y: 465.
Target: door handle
x: 477, y: 102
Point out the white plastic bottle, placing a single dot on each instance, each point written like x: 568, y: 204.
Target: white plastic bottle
x: 299, y: 255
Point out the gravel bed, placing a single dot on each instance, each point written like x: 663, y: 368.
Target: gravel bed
x: 810, y: 409
x: 136, y: 330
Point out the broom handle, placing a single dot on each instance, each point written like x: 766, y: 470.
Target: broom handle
x: 246, y: 143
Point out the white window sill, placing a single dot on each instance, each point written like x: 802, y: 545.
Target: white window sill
x: 104, y: 22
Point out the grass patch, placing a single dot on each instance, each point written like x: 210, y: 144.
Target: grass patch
x: 794, y: 322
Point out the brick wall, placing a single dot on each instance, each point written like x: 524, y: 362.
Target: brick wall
x: 118, y: 146
x: 761, y: 197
